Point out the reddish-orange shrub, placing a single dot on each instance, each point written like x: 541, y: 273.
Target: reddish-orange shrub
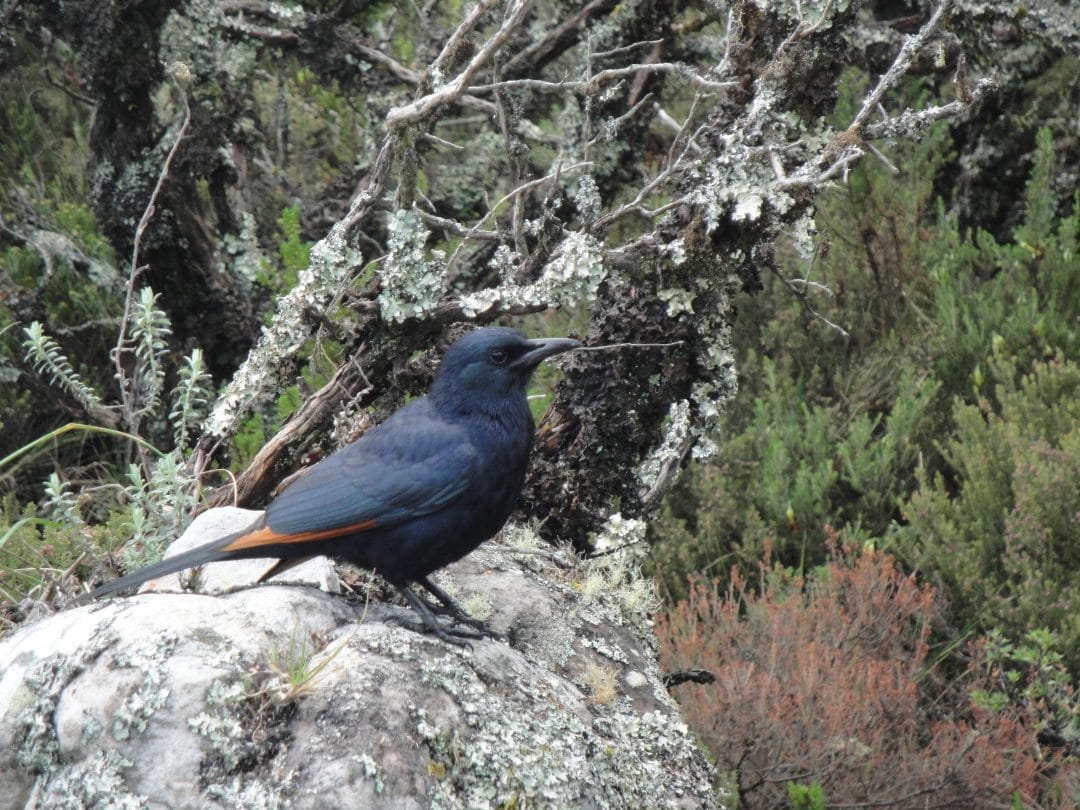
x: 820, y: 681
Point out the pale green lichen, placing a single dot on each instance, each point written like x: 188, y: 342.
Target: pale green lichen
x: 244, y: 793
x: 572, y: 276
x: 738, y: 186
x: 195, y: 36
x: 60, y: 247
x: 245, y: 256
x: 38, y: 745
x: 227, y: 725
x: 330, y: 262
x: 150, y: 657
x: 804, y: 11
x: 718, y: 382
x: 588, y: 201
x: 606, y: 649
x: 479, y: 606
x: 475, y: 604
x: 39, y: 749
x: 678, y: 300
x: 372, y: 772
x: 413, y: 281
x: 97, y: 782
x: 505, y: 261
x: 675, y: 250
x: 803, y: 232
x: 617, y: 532
x: 221, y: 725
x: 710, y: 399
x: 613, y: 580
x: 507, y: 753
x: 670, y: 450
x: 518, y: 536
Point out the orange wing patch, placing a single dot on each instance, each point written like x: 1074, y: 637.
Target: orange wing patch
x: 268, y: 537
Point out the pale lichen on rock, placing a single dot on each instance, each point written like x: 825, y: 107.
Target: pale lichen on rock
x: 393, y: 714
x: 149, y: 658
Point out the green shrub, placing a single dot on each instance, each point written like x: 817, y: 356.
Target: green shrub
x: 1020, y: 297
x: 788, y: 477
x: 1033, y: 673
x: 44, y: 553
x: 830, y: 432
x: 999, y: 528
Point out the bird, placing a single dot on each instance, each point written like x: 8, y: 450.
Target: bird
x: 414, y: 493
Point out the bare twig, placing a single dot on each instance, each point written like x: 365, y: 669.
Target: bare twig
x: 524, y: 187
x: 179, y: 74
x: 914, y: 121
x: 810, y: 176
x: 513, y: 158
x: 428, y: 136
x: 626, y: 116
x: 801, y: 294
x: 456, y: 228
x: 379, y: 58
x: 611, y: 346
x: 672, y: 164
x: 592, y: 85
x: 561, y: 38
x: 669, y: 470
x: 633, y: 46
x: 200, y: 474
x: 450, y: 91
x: 910, y: 49
x: 804, y: 284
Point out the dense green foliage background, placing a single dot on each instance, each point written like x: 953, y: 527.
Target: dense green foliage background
x: 944, y: 429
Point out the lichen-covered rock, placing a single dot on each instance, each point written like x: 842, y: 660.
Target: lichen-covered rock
x: 280, y: 696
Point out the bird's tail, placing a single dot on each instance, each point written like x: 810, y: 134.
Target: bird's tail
x: 213, y: 551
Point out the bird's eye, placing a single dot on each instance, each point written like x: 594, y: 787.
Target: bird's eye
x: 498, y: 357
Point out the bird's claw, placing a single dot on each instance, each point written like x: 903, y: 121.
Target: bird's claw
x: 460, y: 617
x: 483, y: 629
x: 458, y: 638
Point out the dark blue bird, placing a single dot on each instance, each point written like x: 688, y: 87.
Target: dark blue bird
x: 415, y: 493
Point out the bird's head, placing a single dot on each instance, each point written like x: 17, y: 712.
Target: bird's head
x: 492, y: 363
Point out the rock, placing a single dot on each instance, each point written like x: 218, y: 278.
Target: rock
x: 279, y: 696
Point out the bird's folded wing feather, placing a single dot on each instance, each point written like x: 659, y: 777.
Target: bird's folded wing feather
x: 411, y: 465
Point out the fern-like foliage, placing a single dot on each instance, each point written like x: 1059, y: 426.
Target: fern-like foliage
x: 47, y: 357
x: 149, y: 329
x: 190, y: 397
x: 61, y: 503
x: 161, y: 508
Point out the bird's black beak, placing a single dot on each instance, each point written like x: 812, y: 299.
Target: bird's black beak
x: 543, y: 348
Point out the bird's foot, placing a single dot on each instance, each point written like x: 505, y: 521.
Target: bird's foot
x: 459, y: 638
x: 429, y: 624
x: 448, y: 607
x: 461, y: 617
x: 483, y: 631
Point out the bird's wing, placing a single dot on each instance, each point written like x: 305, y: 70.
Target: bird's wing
x: 411, y: 465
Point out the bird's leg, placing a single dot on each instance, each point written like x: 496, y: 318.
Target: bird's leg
x: 454, y: 610
x: 429, y: 622
x: 283, y: 565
